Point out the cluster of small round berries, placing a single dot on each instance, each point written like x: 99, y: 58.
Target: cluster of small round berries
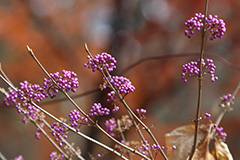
x: 215, y: 26
x: 123, y: 84
x: 191, y: 69
x: 17, y: 97
x: 55, y: 156
x: 156, y: 147
x: 33, y: 92
x: 115, y: 109
x: 21, y: 98
x: 76, y: 118
x: 98, y: 110
x: 26, y: 92
x: 111, y: 96
x: 144, y: 148
x: 219, y: 132
x: 59, y: 132
x: 207, y: 115
x: 37, y: 134
x: 194, y: 23
x: 68, y: 81
x: 111, y: 126
x: 141, y: 112
x: 101, y: 61
x: 225, y: 100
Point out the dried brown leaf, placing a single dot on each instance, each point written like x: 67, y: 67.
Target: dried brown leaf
x: 221, y: 151
x: 202, y: 151
x: 182, y: 138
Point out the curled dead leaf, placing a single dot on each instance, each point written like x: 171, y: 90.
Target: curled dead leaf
x: 182, y: 138
x: 221, y: 151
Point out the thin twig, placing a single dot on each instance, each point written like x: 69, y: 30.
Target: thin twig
x: 2, y: 157
x: 200, y: 79
x: 123, y: 137
x: 3, y: 74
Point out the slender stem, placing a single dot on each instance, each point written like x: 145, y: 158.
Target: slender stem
x: 200, y: 79
x: 73, y: 102
x: 2, y: 157
x: 123, y: 137
x: 3, y: 74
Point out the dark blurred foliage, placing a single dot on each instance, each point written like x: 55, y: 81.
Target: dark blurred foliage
x: 130, y: 30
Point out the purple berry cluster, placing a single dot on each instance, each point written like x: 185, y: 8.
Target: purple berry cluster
x: 219, y: 132
x: 122, y: 84
x: 225, y: 100
x: 144, y: 148
x: 76, y: 119
x: 59, y: 132
x: 215, y: 26
x: 101, y: 61
x: 111, y: 127
x: 98, y: 110
x: 55, y: 156
x: 21, y: 98
x: 155, y: 147
x: 191, y: 69
x: 141, y: 112
x: 33, y: 92
x: 37, y: 134
x: 26, y: 92
x: 68, y: 81
x: 115, y: 109
x: 207, y: 115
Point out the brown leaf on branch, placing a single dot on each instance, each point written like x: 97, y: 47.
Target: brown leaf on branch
x: 182, y: 138
x: 221, y: 151
x: 202, y: 151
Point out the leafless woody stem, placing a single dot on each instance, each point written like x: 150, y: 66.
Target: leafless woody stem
x: 200, y: 79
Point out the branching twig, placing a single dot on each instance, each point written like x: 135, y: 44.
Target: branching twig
x: 131, y: 113
x: 225, y: 109
x: 75, y: 105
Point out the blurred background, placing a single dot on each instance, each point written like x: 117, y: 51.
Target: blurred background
x: 56, y: 30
